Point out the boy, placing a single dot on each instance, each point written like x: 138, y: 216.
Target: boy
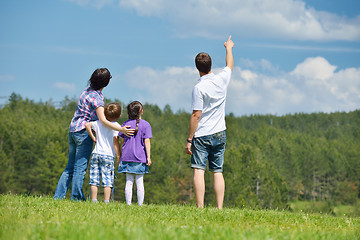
x: 103, y: 155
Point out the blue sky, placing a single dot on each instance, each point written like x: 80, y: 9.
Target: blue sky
x: 290, y: 55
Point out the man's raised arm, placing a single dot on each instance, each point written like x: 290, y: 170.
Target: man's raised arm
x: 229, y: 44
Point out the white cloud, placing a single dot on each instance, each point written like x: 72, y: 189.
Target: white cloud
x: 303, y: 47
x: 69, y: 87
x: 275, y: 19
x: 278, y: 19
x: 7, y: 78
x: 262, y: 94
x: 313, y: 86
x: 261, y: 65
x: 146, y: 7
x: 81, y: 51
x: 171, y: 86
x: 96, y: 3
x: 315, y: 68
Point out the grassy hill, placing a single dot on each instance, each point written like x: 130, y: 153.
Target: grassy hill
x: 29, y: 217
x: 307, y: 162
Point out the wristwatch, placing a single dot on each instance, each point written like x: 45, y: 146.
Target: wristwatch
x: 189, y: 140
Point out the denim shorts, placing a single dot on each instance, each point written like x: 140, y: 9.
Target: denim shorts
x: 210, y: 147
x: 102, y: 165
x: 133, y: 167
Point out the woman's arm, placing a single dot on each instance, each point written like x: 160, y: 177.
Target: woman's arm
x: 147, y: 149
x: 125, y: 130
x: 88, y: 126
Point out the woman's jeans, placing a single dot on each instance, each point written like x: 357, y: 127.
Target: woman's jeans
x: 80, y: 148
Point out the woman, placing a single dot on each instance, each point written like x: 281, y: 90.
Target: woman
x: 90, y: 108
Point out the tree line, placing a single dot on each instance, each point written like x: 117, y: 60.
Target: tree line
x: 269, y: 160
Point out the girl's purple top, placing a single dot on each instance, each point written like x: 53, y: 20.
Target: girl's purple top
x: 133, y: 149
x: 85, y: 111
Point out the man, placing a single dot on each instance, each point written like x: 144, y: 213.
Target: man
x: 207, y: 138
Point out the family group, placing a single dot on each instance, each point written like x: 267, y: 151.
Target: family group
x: 129, y: 143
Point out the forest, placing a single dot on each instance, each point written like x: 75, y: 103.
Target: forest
x: 270, y: 160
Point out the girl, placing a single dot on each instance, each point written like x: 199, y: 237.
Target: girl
x: 135, y: 152
x: 90, y: 108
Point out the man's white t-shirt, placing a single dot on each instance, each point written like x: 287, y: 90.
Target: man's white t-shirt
x: 104, y: 139
x: 209, y: 96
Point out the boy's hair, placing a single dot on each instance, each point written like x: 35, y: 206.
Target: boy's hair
x: 112, y: 111
x: 203, y: 62
x: 100, y: 78
x: 134, y: 109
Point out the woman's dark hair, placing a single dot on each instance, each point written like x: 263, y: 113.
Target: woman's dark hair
x: 112, y: 111
x: 134, y: 111
x: 100, y: 78
x: 203, y: 62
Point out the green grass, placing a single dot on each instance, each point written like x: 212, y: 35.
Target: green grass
x: 28, y: 217
x: 324, y: 207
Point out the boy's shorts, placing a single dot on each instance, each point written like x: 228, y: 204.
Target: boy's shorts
x: 102, y: 165
x: 210, y: 147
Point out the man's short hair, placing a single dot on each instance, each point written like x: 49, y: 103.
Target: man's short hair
x: 112, y: 111
x: 203, y: 62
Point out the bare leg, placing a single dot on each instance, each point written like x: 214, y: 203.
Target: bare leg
x: 94, y: 190
x: 107, y: 192
x: 219, y: 188
x: 199, y: 187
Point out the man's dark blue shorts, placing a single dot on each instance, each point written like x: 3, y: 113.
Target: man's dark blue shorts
x: 210, y: 147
